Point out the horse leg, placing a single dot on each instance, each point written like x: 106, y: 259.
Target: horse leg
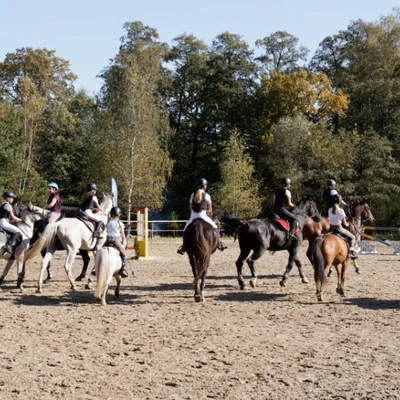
x: 357, y: 268
x: 21, y: 274
x: 71, y: 253
x: 6, y: 270
x: 86, y: 259
x: 292, y: 257
x: 45, y: 262
x: 257, y: 253
x: 239, y: 265
x: 118, y: 278
x: 201, y: 296
x: 340, y: 288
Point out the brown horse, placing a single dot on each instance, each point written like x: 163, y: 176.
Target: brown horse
x: 200, y: 241
x: 327, y: 250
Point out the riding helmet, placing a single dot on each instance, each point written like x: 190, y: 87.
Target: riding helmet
x: 53, y: 185
x: 115, y: 211
x: 201, y: 182
x: 91, y: 186
x: 286, y: 181
x: 9, y: 194
x: 331, y: 182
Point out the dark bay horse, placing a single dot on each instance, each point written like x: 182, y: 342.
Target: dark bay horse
x: 200, y: 242
x: 259, y: 235
x: 328, y: 250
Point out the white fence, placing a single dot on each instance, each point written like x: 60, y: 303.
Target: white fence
x: 157, y: 228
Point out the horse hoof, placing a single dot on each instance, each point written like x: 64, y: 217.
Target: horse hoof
x: 304, y: 279
x: 79, y: 278
x: 253, y: 283
x: 198, y: 298
x: 358, y: 271
x: 282, y: 283
x: 88, y: 286
x: 39, y: 290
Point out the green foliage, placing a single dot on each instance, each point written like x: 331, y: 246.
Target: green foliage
x: 238, y: 192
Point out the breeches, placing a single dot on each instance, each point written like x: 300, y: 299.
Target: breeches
x: 4, y: 224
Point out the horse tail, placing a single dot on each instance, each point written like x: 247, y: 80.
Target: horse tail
x: 101, y: 272
x: 232, y: 225
x: 318, y: 260
x: 48, y: 234
x: 203, y: 252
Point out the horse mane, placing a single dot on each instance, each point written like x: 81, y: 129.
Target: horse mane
x: 231, y: 224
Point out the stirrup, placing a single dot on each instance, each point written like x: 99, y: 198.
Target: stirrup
x: 353, y: 254
x: 123, y: 273
x: 221, y: 246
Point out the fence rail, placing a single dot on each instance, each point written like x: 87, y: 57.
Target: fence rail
x: 171, y: 227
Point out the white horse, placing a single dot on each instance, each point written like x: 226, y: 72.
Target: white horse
x: 107, y: 263
x: 29, y: 215
x: 72, y: 234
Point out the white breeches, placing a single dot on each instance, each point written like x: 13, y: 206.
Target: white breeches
x: 7, y: 226
x: 203, y: 215
x: 92, y: 215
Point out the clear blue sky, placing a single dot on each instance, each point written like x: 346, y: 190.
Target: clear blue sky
x: 87, y: 32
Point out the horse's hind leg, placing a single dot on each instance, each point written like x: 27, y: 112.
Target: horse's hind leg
x: 86, y: 259
x: 118, y: 279
x: 293, y: 258
x: 341, y: 278
x: 6, y: 270
x: 239, y: 265
x: 257, y: 253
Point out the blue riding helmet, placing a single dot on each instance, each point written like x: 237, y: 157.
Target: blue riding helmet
x: 53, y: 185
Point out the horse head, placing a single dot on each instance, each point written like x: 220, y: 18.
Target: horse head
x: 309, y: 207
x: 106, y: 203
x: 361, y: 211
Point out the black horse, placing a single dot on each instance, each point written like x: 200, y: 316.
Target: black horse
x: 259, y: 235
x: 200, y: 241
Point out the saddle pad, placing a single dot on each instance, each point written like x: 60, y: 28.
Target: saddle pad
x: 285, y: 224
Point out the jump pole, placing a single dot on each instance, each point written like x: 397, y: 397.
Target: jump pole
x: 142, y: 232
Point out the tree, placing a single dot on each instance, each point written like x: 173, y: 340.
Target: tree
x: 133, y: 143
x: 281, y: 52
x: 239, y: 192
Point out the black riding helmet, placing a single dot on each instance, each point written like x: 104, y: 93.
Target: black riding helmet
x: 9, y: 194
x: 91, y: 186
x: 201, y: 182
x: 115, y: 211
x: 286, y: 181
x: 331, y: 182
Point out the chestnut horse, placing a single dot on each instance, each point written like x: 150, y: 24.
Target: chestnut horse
x: 200, y: 241
x: 328, y: 250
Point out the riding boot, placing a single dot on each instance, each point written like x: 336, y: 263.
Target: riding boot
x: 12, y: 242
x: 293, y: 227
x: 181, y: 250
x: 99, y: 229
x: 123, y: 272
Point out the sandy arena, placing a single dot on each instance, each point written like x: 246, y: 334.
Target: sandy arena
x: 155, y: 342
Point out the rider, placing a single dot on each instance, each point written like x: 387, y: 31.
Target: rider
x: 7, y: 215
x: 53, y: 202
x: 331, y: 195
x: 116, y: 237
x: 90, y: 205
x: 283, y: 204
x: 337, y: 220
x: 200, y: 206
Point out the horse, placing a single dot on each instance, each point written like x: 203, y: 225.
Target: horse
x: 259, y: 235
x: 107, y: 265
x: 72, y: 234
x: 327, y: 250
x: 356, y: 213
x: 29, y: 215
x: 200, y: 241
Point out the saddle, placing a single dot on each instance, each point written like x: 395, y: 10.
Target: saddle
x: 282, y: 223
x: 87, y: 221
x: 352, y: 254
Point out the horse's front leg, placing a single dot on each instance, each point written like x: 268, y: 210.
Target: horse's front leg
x: 86, y: 259
x: 21, y: 274
x: 292, y: 256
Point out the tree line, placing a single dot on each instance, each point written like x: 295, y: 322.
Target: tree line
x: 240, y: 116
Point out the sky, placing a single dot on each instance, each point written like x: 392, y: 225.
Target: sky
x: 87, y: 32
